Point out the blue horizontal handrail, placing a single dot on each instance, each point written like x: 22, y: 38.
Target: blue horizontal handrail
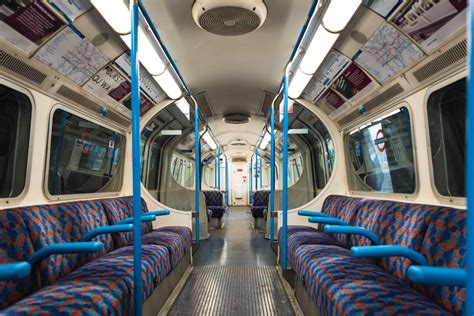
x: 107, y: 230
x: 159, y: 213
x: 388, y: 251
x: 327, y: 220
x: 437, y: 275
x: 312, y: 213
x: 353, y: 230
x: 144, y: 218
x: 14, y: 271
x: 62, y: 248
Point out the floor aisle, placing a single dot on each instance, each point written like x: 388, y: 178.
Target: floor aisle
x: 234, y: 274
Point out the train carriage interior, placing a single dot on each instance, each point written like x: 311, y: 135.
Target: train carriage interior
x: 236, y: 157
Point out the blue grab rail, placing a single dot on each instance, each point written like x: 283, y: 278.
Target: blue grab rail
x: 143, y: 219
x: 437, y: 275
x: 158, y: 213
x: 63, y: 248
x: 388, y: 251
x: 14, y: 271
x: 353, y: 230
x: 327, y: 220
x: 312, y: 213
x: 107, y: 230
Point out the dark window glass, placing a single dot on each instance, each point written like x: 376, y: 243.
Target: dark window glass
x: 447, y: 128
x: 381, y: 155
x: 15, y: 121
x: 84, y: 156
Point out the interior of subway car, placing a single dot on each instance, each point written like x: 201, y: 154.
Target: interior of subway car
x: 236, y: 157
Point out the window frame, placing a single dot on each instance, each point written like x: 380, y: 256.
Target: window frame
x: 450, y: 200
x: 92, y: 119
x: 350, y: 168
x: 16, y: 87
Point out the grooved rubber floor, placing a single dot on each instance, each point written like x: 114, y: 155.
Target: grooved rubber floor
x: 233, y: 290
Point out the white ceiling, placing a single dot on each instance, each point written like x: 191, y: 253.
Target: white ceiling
x: 234, y: 71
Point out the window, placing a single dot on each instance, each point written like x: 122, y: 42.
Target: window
x: 15, y: 121
x: 84, y: 156
x: 447, y: 130
x: 381, y: 155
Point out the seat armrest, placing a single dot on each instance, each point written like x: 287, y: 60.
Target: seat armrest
x: 14, y: 271
x: 311, y: 213
x: 388, y: 251
x: 353, y: 230
x: 159, y: 213
x: 62, y: 248
x: 144, y: 218
x: 107, y: 230
x: 437, y: 275
x: 327, y: 220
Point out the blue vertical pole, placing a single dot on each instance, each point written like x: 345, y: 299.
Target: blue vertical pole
x: 219, y: 168
x: 285, y: 174
x: 256, y: 168
x: 197, y: 163
x: 137, y: 202
x: 250, y: 180
x: 261, y: 173
x: 215, y: 172
x: 470, y: 167
x: 272, y: 174
x: 227, y: 182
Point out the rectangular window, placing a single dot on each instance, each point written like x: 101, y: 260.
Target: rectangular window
x: 15, y: 122
x: 381, y: 155
x: 84, y: 157
x: 447, y: 129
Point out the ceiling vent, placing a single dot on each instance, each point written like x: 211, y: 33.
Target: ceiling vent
x: 238, y: 143
x: 236, y: 118
x: 229, y: 17
x: 20, y: 68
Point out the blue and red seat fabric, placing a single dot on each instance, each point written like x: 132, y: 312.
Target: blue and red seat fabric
x: 259, y: 205
x: 100, y: 283
x: 341, y: 284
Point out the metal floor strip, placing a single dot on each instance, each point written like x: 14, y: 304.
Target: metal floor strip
x: 233, y: 290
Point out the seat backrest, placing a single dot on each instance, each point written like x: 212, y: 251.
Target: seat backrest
x: 65, y: 222
x: 444, y: 245
x: 214, y: 198
x: 260, y: 198
x: 118, y: 209
x: 15, y: 245
x: 342, y: 207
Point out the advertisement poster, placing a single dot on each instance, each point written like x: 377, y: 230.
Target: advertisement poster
x: 26, y: 24
x: 109, y: 85
x: 145, y: 104
x: 352, y: 82
x: 331, y: 99
x: 332, y: 66
x: 387, y: 53
x: 71, y: 8
x: 384, y: 7
x: 72, y: 56
x: 431, y: 22
x: 147, y: 83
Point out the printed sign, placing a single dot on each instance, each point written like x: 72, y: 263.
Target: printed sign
x: 145, y: 103
x: 384, y: 7
x: 352, y: 81
x: 431, y: 22
x: 72, y: 56
x: 332, y: 99
x: 147, y: 83
x: 71, y: 8
x: 109, y: 85
x: 27, y: 24
x: 380, y: 140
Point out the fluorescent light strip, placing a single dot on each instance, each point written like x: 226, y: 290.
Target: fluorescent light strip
x: 169, y: 85
x: 184, y: 107
x: 319, y: 47
x: 208, y: 139
x: 265, y: 141
x: 146, y: 53
x: 116, y: 13
x: 339, y: 13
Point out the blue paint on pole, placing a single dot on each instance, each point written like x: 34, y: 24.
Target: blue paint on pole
x: 137, y: 202
x: 272, y: 174
x: 250, y: 181
x: 470, y: 168
x: 197, y: 163
x: 256, y: 169
x: 285, y: 174
x: 219, y: 168
x: 227, y: 182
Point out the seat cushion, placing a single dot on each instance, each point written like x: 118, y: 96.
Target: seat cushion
x: 174, y: 242
x: 343, y: 285
x: 307, y: 238
x: 183, y: 231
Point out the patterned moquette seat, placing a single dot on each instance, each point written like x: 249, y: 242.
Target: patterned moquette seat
x: 260, y: 203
